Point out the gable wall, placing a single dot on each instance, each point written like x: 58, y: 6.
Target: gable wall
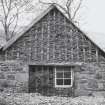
x: 53, y: 39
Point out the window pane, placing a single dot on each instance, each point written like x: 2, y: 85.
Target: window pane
x: 67, y: 81
x: 59, y: 75
x: 59, y: 81
x: 39, y: 69
x: 67, y: 69
x: 51, y: 70
x: 67, y: 74
x: 59, y: 69
x: 45, y: 68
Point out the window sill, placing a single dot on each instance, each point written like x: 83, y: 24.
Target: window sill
x: 63, y: 86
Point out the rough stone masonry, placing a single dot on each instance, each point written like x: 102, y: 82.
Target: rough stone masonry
x: 53, y: 40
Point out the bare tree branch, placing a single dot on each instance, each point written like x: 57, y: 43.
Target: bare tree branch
x: 16, y: 22
x: 67, y: 9
x: 54, y: 4
x: 11, y: 11
x: 69, y: 2
x: 2, y: 23
x: 77, y: 9
x: 12, y: 19
x: 2, y: 4
x: 6, y: 4
x: 6, y: 10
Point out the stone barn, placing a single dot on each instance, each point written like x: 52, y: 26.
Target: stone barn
x: 52, y: 57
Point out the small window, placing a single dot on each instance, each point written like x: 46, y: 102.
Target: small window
x: 63, y: 77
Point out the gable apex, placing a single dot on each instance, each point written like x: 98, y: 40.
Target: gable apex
x: 38, y: 18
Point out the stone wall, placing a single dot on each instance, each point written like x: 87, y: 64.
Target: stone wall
x: 53, y: 39
x: 90, y: 79
x: 13, y: 76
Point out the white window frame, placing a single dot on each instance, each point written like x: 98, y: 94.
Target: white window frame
x: 64, y: 86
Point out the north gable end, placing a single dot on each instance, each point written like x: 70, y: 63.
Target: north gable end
x: 54, y: 39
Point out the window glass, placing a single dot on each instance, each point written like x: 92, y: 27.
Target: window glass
x: 63, y: 76
x: 60, y: 69
x: 67, y: 69
x: 67, y: 74
x: 67, y: 81
x: 59, y: 75
x: 59, y: 81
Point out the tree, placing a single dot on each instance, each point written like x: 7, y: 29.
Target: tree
x: 71, y: 8
x: 10, y: 11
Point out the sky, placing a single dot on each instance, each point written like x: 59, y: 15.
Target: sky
x: 94, y: 16
x: 93, y: 21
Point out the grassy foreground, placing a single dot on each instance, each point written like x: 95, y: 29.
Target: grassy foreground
x: 36, y: 99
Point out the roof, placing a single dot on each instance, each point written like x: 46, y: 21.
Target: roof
x: 40, y: 16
